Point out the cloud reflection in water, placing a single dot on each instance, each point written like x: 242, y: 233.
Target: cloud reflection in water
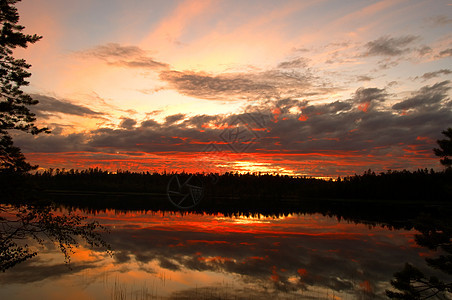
x: 183, y: 256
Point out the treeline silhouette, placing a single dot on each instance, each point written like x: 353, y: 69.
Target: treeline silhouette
x: 252, y: 189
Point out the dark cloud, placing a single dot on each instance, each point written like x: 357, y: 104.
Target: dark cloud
x: 431, y: 75
x: 426, y: 97
x: 174, y: 118
x: 337, y: 106
x: 424, y: 50
x: 285, y: 105
x: 206, y: 86
x: 59, y: 128
x: 445, y: 53
x: 52, y: 143
x: 325, y: 109
x: 113, y: 50
x: 150, y: 139
x: 127, y: 56
x: 364, y: 78
x: 49, y: 104
x: 200, y: 120
x: 440, y: 20
x: 121, y: 256
x: 141, y: 62
x: 296, y: 63
x: 389, y: 46
x: 363, y: 95
x: 28, y: 272
x: 388, y: 63
x: 127, y: 123
x: 169, y: 264
x: 150, y: 123
x: 235, y: 86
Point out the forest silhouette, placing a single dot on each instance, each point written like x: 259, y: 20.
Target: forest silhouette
x: 239, y: 190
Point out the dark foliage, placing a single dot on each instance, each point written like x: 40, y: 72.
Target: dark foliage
x: 249, y: 190
x: 410, y: 282
x: 14, y: 103
x: 11, y: 158
x: 445, y: 149
x: 18, y: 224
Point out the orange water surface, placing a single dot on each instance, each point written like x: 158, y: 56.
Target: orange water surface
x: 171, y: 255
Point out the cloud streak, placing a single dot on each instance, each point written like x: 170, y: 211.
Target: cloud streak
x: 239, y: 86
x: 430, y: 75
x: 126, y: 56
x: 52, y: 105
x: 426, y: 98
x: 389, y: 46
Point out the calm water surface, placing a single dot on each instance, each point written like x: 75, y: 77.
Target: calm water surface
x: 163, y: 255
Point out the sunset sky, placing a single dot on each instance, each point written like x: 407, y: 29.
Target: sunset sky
x: 316, y: 88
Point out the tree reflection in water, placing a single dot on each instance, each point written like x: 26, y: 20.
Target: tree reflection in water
x: 21, y: 223
x: 411, y: 282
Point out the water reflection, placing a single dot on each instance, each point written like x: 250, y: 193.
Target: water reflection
x: 38, y: 224
x: 202, y: 256
x: 413, y: 282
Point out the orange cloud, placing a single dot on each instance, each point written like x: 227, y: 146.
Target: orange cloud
x: 364, y: 106
x: 302, y: 272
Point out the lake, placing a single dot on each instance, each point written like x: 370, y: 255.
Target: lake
x: 174, y: 255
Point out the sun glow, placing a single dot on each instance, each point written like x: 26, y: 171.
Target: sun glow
x: 261, y: 167
x: 252, y: 219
